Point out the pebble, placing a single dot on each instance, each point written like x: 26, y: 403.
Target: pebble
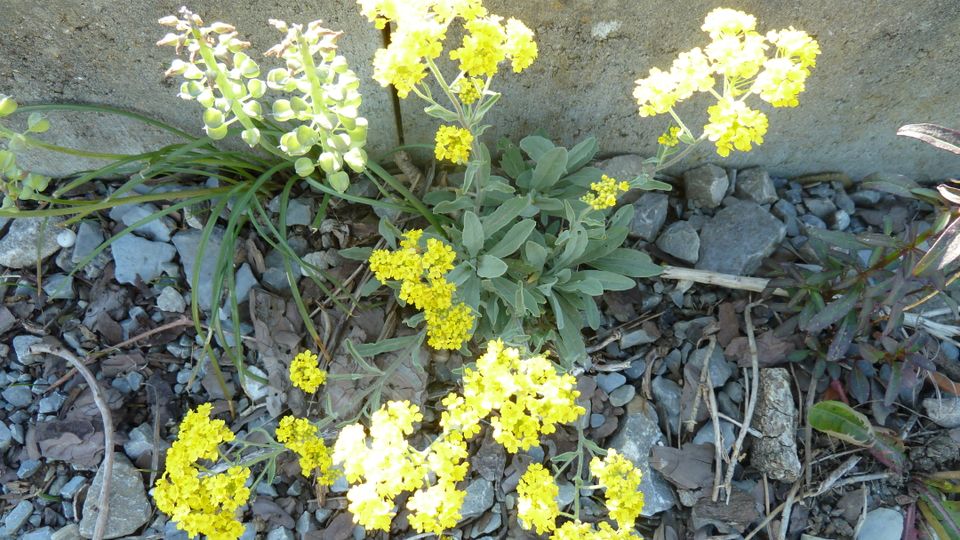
x: 650, y: 213
x: 882, y: 524
x: 727, y: 435
x: 89, y: 237
x: 135, y: 256
x: 7, y: 320
x: 129, y: 507
x: 59, y: 287
x: 299, y: 212
x: 21, y: 346
x: 6, y: 437
x: 171, y: 301
x: 738, y: 238
x: 839, y: 220
x: 666, y: 394
x: 244, y: 281
x: 157, y: 229
x: 140, y: 442
x: 755, y: 184
x: 19, y: 395
x: 17, y: 518
x: 281, y: 533
x: 866, y: 197
x: 636, y: 369
x: 623, y: 395
x: 680, y: 240
x: 27, y: 239
x: 66, y: 238
x: 478, y: 500
x: 67, y: 532
x: 52, y: 403
x: 810, y: 220
x: 72, y: 487
x: 597, y: 420
x: 188, y: 246
x: 944, y: 411
x: 706, y: 185
x: 28, y: 468
x: 254, y: 388
x: 636, y: 337
x: 820, y: 207
x: 638, y: 433
x: 608, y: 382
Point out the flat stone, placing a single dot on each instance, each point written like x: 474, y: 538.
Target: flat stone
x: 29, y: 240
x: 478, y: 500
x: 755, y: 185
x: 624, y: 167
x: 621, y: 396
x: 681, y: 240
x: 882, y: 524
x: 157, y: 229
x: 89, y: 237
x: 6, y: 437
x: 18, y: 395
x: 638, y: 434
x: 281, y: 533
x: 59, y: 287
x: 650, y: 212
x: 129, y: 507
x: 820, y: 207
x: 641, y: 336
x: 608, y: 382
x: 666, y: 394
x: 188, y: 247
x: 52, y: 403
x: 244, y: 281
x: 135, y: 256
x: 299, y: 212
x: 7, y: 320
x: 16, y: 518
x: 21, y: 346
x: 171, y: 301
x: 706, y: 185
x: 728, y: 435
x: 597, y: 420
x: 738, y: 238
x: 72, y: 487
x: 720, y: 369
x: 775, y: 452
x: 944, y: 411
x: 28, y: 468
x: 866, y: 197
x: 67, y: 532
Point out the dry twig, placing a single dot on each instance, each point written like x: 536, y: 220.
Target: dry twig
x: 751, y: 403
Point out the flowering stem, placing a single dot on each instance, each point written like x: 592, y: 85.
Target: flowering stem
x: 674, y: 160
x: 578, y: 480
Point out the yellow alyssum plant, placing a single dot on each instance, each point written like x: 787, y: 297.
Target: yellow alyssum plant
x: 746, y: 63
x: 422, y: 284
x: 305, y: 372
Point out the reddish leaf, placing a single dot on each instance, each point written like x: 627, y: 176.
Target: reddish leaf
x: 932, y: 134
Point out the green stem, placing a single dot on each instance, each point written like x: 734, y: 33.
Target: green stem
x: 37, y: 143
x: 101, y: 205
x: 676, y: 159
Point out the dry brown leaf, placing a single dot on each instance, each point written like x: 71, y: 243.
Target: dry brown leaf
x: 75, y: 442
x: 690, y: 468
x: 771, y: 350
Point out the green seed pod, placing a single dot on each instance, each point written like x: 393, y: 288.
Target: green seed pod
x: 290, y: 144
x: 277, y: 78
x: 36, y: 123
x: 339, y: 181
x: 257, y: 88
x: 216, y: 133
x: 7, y: 105
x: 212, y: 118
x: 307, y: 136
x: 330, y: 162
x: 253, y: 109
x: 251, y: 136
x: 356, y: 159
x: 282, y: 111
x: 304, y: 166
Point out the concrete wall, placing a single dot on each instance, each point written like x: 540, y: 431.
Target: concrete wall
x: 885, y: 63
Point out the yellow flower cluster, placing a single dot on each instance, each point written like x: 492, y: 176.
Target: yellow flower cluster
x: 202, y: 503
x: 537, y: 506
x: 604, y: 193
x: 422, y: 284
x: 305, y: 373
x: 469, y: 90
x: 419, y: 32
x: 384, y: 465
x: 453, y: 143
x: 739, y: 54
x: 621, y: 479
x: 670, y: 138
x: 530, y: 397
x: 300, y: 436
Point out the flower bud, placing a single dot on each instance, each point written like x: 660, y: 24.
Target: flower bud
x: 339, y: 181
x: 169, y: 20
x: 170, y: 39
x: 212, y: 118
x: 7, y: 105
x: 356, y: 159
x: 251, y: 136
x: 36, y: 123
x: 222, y: 28
x: 304, y: 166
x: 216, y: 133
x: 257, y: 88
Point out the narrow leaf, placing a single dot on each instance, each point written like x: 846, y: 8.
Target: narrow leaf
x: 839, y: 420
x: 472, y: 233
x: 833, y: 312
x: 938, y: 136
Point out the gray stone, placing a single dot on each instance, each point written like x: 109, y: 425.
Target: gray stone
x: 6, y: 437
x: 18, y: 395
x: 157, y: 229
x: 621, y: 396
x: 52, y: 403
x: 636, y: 337
x: 812, y: 221
x: 608, y: 382
x: 882, y: 524
x: 244, y: 281
x: 784, y: 210
x: 59, y: 287
x: 254, y: 388
x: 944, y: 411
x: 171, y: 301
x: 624, y: 167
x: 280, y: 533
x: 775, y: 451
x: 639, y: 432
x: 728, y: 435
x: 28, y: 468
x: 7, y: 320
x: 67, y: 532
x: 720, y: 368
x: 839, y: 220
x: 738, y: 238
x: 21, y: 346
x: 478, y: 500
x: 188, y: 247
x: 820, y: 207
x: 597, y: 420
x: 135, y: 256
x: 16, y: 519
x: 650, y: 212
x: 129, y: 507
x: 706, y: 185
x: 755, y: 184
x: 28, y: 240
x: 72, y: 487
x: 89, y: 237
x: 299, y: 212
x: 140, y: 442
x: 666, y: 394
x: 171, y: 532
x: 681, y: 240
x: 867, y: 198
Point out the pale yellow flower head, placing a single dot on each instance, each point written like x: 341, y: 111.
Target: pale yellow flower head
x: 730, y: 22
x: 305, y: 372
x: 734, y: 125
x: 453, y: 143
x: 537, y: 506
x: 604, y: 193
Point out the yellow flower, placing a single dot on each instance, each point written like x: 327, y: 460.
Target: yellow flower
x: 577, y: 530
x: 521, y: 48
x: 453, y: 143
x: 621, y: 479
x: 468, y: 89
x: 305, y: 373
x: 604, y: 193
x: 797, y: 44
x: 692, y: 72
x: 436, y: 509
x: 670, y: 138
x: 738, y: 57
x: 447, y: 10
x: 734, y: 125
x: 537, y: 505
x: 202, y: 503
x: 399, y: 67
x: 723, y: 21
x: 657, y: 93
x: 300, y: 436
x: 780, y: 82
x: 482, y: 48
x: 438, y: 259
x: 449, y: 328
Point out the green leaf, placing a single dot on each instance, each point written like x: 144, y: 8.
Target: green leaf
x: 472, y: 233
x: 550, y: 167
x: 582, y: 153
x: 7, y: 105
x: 356, y: 253
x: 512, y: 161
x: 448, y: 207
x: 369, y: 350
x: 610, y: 281
x: 944, y: 251
x: 478, y: 170
x: 485, y: 106
x: 831, y: 313
x: 535, y: 146
x: 503, y: 215
x: 513, y: 239
x: 941, y: 514
x: 438, y: 111
x: 839, y: 420
x: 627, y: 262
x: 304, y: 166
x: 535, y: 255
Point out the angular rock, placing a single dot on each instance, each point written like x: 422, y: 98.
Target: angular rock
x: 734, y: 517
x: 623, y: 167
x: 755, y: 185
x: 67, y: 532
x: 638, y: 434
x: 18, y: 395
x: 775, y: 452
x: 666, y: 394
x: 129, y: 507
x: 135, y: 256
x: 681, y: 240
x: 89, y: 236
x: 608, y: 382
x: 650, y: 212
x: 16, y: 518
x: 882, y: 524
x: 171, y: 301
x: 188, y: 247
x: 738, y: 238
x: 706, y: 185
x: 59, y: 287
x: 822, y: 208
x: 28, y: 240
x: 478, y: 500
x: 157, y: 229
x: 944, y: 411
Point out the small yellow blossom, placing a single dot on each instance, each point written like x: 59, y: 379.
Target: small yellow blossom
x: 469, y: 89
x: 398, y: 67
x: 202, y: 503
x: 621, y: 479
x: 734, y: 125
x: 436, y: 509
x: 657, y: 93
x: 520, y: 46
x: 537, y: 505
x: 449, y: 328
x: 730, y: 22
x: 736, y: 57
x: 670, y: 138
x: 483, y: 46
x: 797, y: 44
x: 780, y: 82
x: 577, y: 530
x: 305, y: 373
x: 300, y: 436
x: 691, y: 72
x: 453, y: 143
x: 604, y: 193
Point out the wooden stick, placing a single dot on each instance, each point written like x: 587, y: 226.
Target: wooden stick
x: 104, y: 502
x: 730, y: 281
x: 751, y: 403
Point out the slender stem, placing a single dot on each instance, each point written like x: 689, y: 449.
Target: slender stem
x: 6, y: 133
x: 680, y: 155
